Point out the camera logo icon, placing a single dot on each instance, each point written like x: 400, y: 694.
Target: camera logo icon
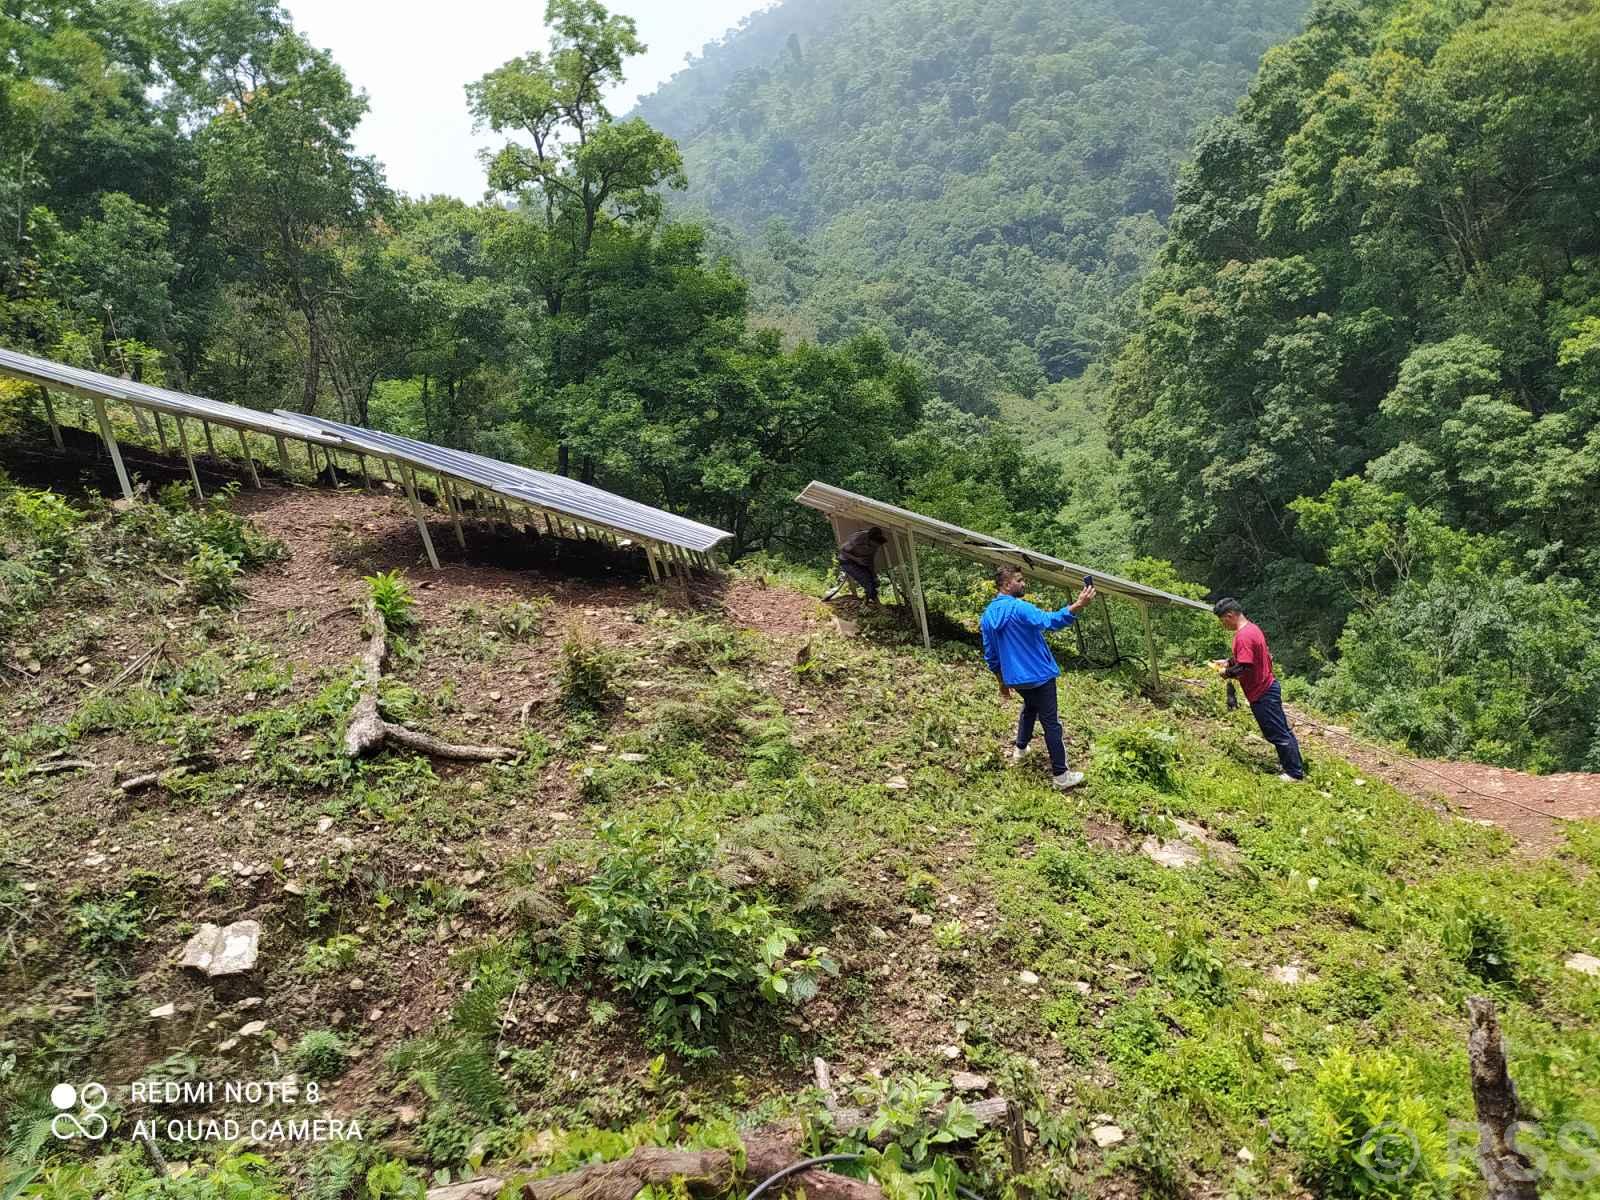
x: 85, y: 1123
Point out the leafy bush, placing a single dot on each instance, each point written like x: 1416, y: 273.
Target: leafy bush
x: 1147, y: 754
x: 522, y: 620
x: 589, y: 676
x: 320, y: 1054
x: 107, y: 926
x: 664, y: 929
x: 1368, y: 1130
x: 213, y: 576
x: 335, y: 954
x: 1066, y: 871
x: 393, y: 599
x: 40, y: 538
x: 1481, y: 940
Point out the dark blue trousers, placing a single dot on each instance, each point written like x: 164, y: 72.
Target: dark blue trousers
x: 1275, y: 728
x: 1039, y: 704
x: 865, y: 576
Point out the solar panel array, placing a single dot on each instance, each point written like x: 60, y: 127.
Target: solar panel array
x: 837, y: 502
x: 537, y: 489
x: 591, y: 508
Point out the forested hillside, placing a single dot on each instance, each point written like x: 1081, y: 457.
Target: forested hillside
x: 982, y: 180
x: 1365, y: 382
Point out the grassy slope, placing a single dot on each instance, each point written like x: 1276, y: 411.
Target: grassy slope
x: 1154, y: 1003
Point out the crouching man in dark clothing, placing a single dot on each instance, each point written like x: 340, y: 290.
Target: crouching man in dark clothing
x: 858, y: 562
x: 1251, y: 665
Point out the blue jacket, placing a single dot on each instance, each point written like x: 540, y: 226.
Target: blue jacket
x: 1013, y: 640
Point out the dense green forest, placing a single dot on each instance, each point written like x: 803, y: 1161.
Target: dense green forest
x: 982, y: 181
x: 1364, y: 384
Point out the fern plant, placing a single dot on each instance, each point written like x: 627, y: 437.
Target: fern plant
x: 392, y: 597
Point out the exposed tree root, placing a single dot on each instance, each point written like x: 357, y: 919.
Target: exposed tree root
x: 1507, y: 1171
x: 369, y: 731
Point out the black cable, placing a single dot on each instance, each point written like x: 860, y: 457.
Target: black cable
x: 807, y: 1163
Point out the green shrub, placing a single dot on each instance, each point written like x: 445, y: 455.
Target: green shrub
x: 336, y: 954
x: 1066, y: 871
x: 393, y: 599
x: 589, y: 676
x: 522, y: 620
x: 107, y: 926
x: 1146, y: 754
x: 664, y: 929
x: 320, y: 1054
x: 1481, y: 940
x: 1368, y: 1129
x: 213, y: 576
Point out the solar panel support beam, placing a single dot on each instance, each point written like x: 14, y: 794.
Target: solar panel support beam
x: 161, y: 430
x: 50, y: 415
x: 409, y: 478
x: 250, y: 459
x: 283, y: 457
x: 1150, y: 646
x: 211, y: 447
x: 183, y: 441
x: 921, y: 601
x: 455, y: 513
x: 111, y: 447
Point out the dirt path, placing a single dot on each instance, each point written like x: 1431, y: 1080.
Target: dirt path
x: 1531, y: 808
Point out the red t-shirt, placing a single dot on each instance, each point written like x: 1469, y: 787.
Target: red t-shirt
x: 1250, y: 652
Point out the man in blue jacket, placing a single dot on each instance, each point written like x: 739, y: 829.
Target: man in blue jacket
x: 1014, y: 647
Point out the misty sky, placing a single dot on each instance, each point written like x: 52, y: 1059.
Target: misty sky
x: 413, y: 59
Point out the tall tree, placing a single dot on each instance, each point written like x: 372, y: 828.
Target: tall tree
x: 279, y: 169
x: 579, y: 169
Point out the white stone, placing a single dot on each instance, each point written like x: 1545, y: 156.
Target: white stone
x: 632, y: 758
x: 1290, y: 975
x: 252, y: 1029
x: 162, y: 1011
x: 1081, y: 987
x: 966, y: 1081
x: 921, y: 919
x: 1585, y: 964
x: 1176, y: 855
x: 951, y: 1052
x: 223, y: 951
x: 1106, y: 1136
x: 324, y: 824
x: 1245, y: 1156
x: 896, y: 783
x: 1027, y: 978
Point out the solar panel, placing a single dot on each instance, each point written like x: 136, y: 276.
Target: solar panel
x: 540, y: 489
x: 94, y: 384
x: 981, y: 546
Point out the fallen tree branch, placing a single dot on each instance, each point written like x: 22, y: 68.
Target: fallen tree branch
x: 767, y: 1152
x: 137, y: 783
x: 1509, y: 1173
x: 368, y: 730
x: 61, y: 764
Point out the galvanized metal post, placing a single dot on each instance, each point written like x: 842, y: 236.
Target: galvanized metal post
x: 111, y: 447
x: 455, y: 513
x: 183, y: 440
x: 244, y: 444
x: 161, y: 430
x: 211, y: 447
x: 50, y: 415
x: 921, y: 601
x: 283, y: 456
x: 409, y: 478
x: 366, y: 479
x: 1150, y: 646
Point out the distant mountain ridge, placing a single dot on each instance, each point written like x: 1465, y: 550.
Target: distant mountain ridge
x: 983, y: 180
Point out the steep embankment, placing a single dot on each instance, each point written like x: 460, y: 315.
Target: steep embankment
x: 984, y: 181
x: 715, y: 758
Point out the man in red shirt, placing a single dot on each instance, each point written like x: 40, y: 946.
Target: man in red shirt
x: 1251, y: 665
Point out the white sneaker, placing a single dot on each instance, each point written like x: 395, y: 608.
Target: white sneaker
x: 1067, y: 780
x: 1287, y: 778
x: 1017, y: 753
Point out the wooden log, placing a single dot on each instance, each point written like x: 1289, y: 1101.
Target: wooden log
x: 1509, y: 1174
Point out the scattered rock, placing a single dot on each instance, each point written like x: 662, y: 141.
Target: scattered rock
x: 878, y: 934
x: 1080, y: 987
x: 344, y: 844
x: 407, y: 1114
x: 951, y: 1052
x: 223, y: 951
x: 1245, y: 1156
x: 94, y: 860
x: 966, y: 1081
x: 633, y: 758
x: 224, y: 1047
x: 294, y: 887
x: 1290, y: 975
x: 324, y: 824
x: 163, y: 1011
x: 1106, y: 1136
x: 1584, y: 964
x: 896, y: 783
x: 1027, y: 978
x: 1174, y: 854
x: 922, y: 920
x: 248, y: 1003
x: 252, y: 1029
